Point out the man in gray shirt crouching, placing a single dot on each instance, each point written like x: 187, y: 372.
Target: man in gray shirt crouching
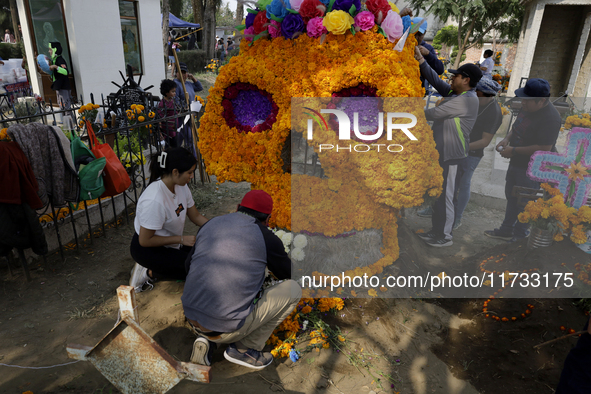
x: 223, y: 300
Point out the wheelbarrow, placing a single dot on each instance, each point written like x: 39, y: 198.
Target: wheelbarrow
x: 131, y: 360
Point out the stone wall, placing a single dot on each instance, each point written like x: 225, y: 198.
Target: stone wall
x: 584, y: 77
x: 557, y: 44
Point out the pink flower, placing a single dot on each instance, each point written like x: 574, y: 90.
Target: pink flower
x: 316, y: 28
x: 365, y: 20
x: 249, y: 33
x: 295, y: 4
x: 392, y: 26
x: 275, y: 29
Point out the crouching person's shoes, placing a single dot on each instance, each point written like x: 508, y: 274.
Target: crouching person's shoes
x: 202, y: 351
x: 251, y: 358
x: 139, y: 278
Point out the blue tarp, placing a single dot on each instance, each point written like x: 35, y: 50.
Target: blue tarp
x: 173, y: 21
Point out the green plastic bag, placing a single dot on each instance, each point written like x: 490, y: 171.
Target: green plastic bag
x: 91, y: 179
x: 90, y: 170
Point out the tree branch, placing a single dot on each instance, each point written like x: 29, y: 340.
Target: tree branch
x: 491, y: 26
x: 460, y: 23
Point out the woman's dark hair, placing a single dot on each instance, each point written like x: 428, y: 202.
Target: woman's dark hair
x: 261, y: 217
x: 166, y: 86
x: 488, y: 53
x: 174, y: 158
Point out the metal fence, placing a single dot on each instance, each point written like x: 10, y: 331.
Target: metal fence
x: 122, y: 138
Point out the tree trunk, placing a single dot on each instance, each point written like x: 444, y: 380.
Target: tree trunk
x: 209, y: 29
x: 458, y: 58
x: 494, y: 45
x: 239, y: 13
x: 197, y: 11
x: 165, y: 19
x: 14, y: 14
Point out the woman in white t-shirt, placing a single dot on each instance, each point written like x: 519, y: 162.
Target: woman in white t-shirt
x: 158, y: 245
x: 487, y: 64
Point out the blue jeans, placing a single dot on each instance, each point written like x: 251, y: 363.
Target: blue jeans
x: 468, y: 168
x: 516, y: 176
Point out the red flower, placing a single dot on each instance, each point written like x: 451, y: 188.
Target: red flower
x: 379, y: 8
x: 355, y: 92
x: 311, y: 9
x: 231, y: 92
x: 260, y: 22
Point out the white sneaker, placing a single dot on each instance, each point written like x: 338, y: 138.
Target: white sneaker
x: 139, y: 277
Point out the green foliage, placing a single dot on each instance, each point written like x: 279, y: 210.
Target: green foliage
x: 10, y: 51
x: 454, y: 54
x: 448, y: 36
x: 196, y: 60
x: 231, y: 54
x: 176, y: 8
x: 504, y: 16
x: 224, y: 16
x: 129, y: 149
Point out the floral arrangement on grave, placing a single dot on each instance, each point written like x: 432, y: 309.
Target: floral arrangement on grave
x: 580, y: 120
x: 330, y: 50
x: 88, y: 112
x: 347, y: 51
x: 136, y: 116
x: 548, y: 213
x: 570, y: 171
x: 214, y: 66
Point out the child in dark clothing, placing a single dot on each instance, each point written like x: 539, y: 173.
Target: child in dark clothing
x: 168, y: 107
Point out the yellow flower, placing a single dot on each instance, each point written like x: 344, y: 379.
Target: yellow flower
x: 151, y: 115
x: 141, y: 118
x: 338, y: 22
x: 394, y: 8
x: 576, y: 171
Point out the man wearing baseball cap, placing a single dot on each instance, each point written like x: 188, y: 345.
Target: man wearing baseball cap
x: 223, y: 298
x: 536, y: 128
x: 452, y: 120
x: 487, y: 123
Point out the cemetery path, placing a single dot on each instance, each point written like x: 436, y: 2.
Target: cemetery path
x: 443, y: 346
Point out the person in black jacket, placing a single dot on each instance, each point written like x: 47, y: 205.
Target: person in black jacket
x: 223, y: 298
x: 576, y: 373
x: 59, y: 75
x: 427, y: 51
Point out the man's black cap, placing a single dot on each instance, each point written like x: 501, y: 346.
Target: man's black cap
x: 469, y: 70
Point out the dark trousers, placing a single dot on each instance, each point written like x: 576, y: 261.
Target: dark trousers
x: 576, y: 374
x: 444, y: 209
x: 165, y: 263
x: 516, y: 176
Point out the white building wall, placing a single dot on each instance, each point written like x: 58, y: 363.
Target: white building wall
x: 96, y: 45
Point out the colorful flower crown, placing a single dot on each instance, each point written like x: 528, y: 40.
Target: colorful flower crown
x: 316, y: 18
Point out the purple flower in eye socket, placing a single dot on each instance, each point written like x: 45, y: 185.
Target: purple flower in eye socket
x: 251, y: 108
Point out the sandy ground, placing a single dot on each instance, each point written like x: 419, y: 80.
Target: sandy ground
x: 441, y: 346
